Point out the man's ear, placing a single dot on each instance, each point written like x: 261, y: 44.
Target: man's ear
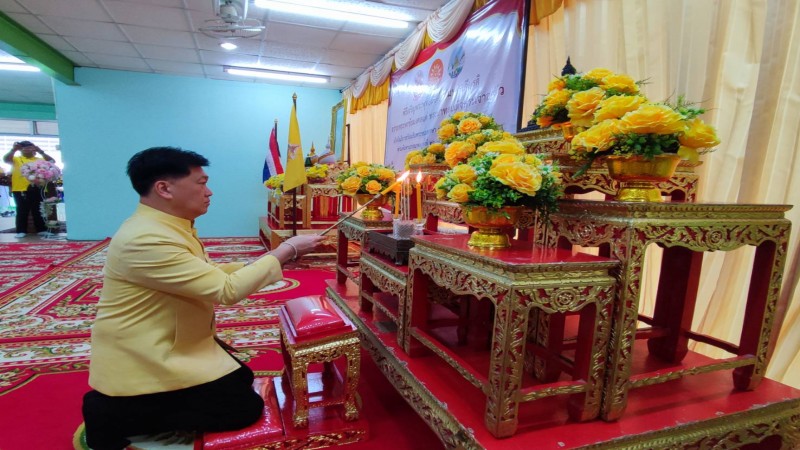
x: 163, y: 189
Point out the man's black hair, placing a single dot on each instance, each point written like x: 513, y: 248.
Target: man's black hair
x: 160, y: 163
x: 26, y: 144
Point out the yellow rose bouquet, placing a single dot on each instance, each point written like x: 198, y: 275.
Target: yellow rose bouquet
x: 495, y: 180
x: 463, y: 125
x: 432, y: 154
x: 574, y: 97
x: 634, y: 126
x: 317, y: 172
x: 364, y: 178
x: 275, y: 182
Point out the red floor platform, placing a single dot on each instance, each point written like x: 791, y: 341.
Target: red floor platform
x: 699, y: 411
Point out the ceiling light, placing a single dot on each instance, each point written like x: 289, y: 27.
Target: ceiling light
x: 327, y: 10
x: 19, y: 67
x: 276, y: 74
x: 228, y: 46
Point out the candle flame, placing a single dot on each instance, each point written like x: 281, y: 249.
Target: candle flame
x: 419, y: 176
x: 404, y: 175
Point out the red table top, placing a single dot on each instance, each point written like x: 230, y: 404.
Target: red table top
x: 521, y: 253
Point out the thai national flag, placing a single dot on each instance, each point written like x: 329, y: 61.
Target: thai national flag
x: 272, y: 163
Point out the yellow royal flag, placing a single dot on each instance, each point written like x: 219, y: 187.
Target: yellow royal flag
x: 295, y: 174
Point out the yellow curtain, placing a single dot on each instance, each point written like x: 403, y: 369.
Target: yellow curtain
x: 540, y: 9
x: 737, y: 58
x: 368, y: 133
x: 373, y: 95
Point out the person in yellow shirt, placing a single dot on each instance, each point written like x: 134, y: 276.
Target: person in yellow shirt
x: 156, y: 364
x: 27, y: 197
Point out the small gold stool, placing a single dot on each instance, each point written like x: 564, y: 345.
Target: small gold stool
x: 314, y: 330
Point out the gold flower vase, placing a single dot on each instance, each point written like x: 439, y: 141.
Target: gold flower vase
x: 373, y: 210
x: 490, y: 224
x: 637, y: 176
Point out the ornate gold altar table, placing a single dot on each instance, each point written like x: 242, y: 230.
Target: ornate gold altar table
x: 685, y: 230
x: 515, y: 280
x: 355, y: 228
x: 380, y: 275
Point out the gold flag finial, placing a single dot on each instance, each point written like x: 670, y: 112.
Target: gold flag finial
x: 294, y: 98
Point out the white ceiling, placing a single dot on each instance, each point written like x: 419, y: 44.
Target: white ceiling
x: 161, y: 36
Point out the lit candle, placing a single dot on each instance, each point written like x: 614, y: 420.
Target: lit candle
x: 396, y: 203
x: 419, y: 195
x: 399, y: 180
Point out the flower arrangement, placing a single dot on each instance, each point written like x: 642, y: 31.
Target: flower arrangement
x: 496, y: 180
x: 365, y: 178
x: 632, y: 125
x: 432, y: 154
x: 40, y: 172
x: 573, y: 97
x: 275, y: 182
x: 317, y: 172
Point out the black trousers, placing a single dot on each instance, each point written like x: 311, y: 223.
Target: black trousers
x: 29, y: 202
x: 228, y: 403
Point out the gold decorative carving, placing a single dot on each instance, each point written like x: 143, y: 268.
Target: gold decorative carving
x: 446, y: 211
x: 628, y: 228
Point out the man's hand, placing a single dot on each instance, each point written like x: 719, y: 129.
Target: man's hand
x: 306, y: 243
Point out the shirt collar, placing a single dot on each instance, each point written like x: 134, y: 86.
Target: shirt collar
x: 164, y: 217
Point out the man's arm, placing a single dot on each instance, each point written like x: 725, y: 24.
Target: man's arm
x: 9, y: 157
x: 44, y: 155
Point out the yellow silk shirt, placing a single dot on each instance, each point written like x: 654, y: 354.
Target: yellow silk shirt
x: 155, y: 325
x: 18, y: 182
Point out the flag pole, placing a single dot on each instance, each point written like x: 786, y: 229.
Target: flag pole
x: 294, y: 190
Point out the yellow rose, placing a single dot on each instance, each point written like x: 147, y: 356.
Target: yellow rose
x: 445, y: 122
x: 652, y: 118
x: 557, y: 98
x: 469, y: 126
x: 359, y: 164
x: 458, y: 115
x: 581, y: 106
x: 485, y: 120
x: 477, y: 139
x: 533, y: 160
x: 460, y: 193
x: 689, y: 154
x: 446, y: 131
x: 698, y: 134
x: 458, y: 151
x: 430, y: 158
x: 598, y: 138
x: 620, y: 83
x: 351, y: 185
x: 416, y: 159
x: 597, y: 74
x: 556, y: 85
x: 518, y: 176
x: 363, y: 171
x: 436, y: 147
x: 410, y: 155
x: 386, y: 174
x: 464, y: 173
x: 617, y: 106
x: 440, y: 192
x: 506, y: 158
x: 511, y: 146
x: 374, y: 186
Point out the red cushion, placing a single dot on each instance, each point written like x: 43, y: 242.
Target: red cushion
x: 267, y: 429
x: 313, y: 315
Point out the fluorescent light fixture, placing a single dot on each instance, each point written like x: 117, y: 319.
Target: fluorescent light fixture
x: 336, y: 11
x: 19, y: 67
x: 276, y: 74
x: 228, y: 46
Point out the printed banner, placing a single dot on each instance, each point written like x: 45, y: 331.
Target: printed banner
x: 478, y: 71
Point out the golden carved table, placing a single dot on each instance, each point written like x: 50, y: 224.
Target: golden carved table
x: 685, y: 230
x: 355, y: 228
x: 380, y: 275
x: 279, y: 203
x: 321, y: 197
x: 515, y: 280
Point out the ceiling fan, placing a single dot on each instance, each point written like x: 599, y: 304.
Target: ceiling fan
x: 231, y: 21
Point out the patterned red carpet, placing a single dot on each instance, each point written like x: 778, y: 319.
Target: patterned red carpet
x: 48, y: 295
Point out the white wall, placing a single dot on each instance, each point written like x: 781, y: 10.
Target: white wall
x: 112, y: 115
